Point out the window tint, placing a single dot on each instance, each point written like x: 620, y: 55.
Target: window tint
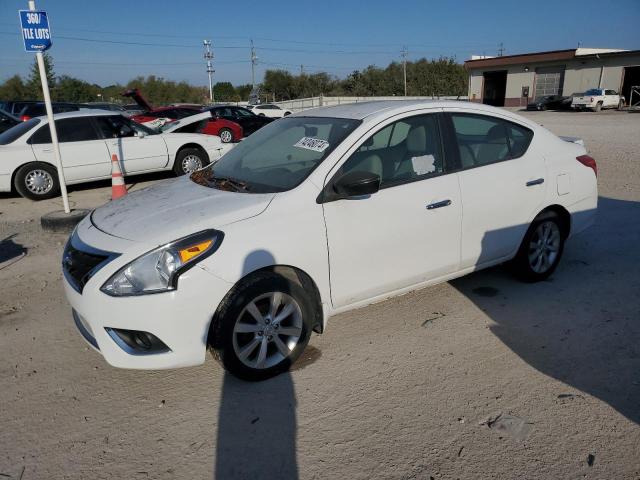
x: 19, y: 130
x: 402, y: 152
x: 42, y: 135
x: 483, y: 140
x: 69, y: 130
x: 242, y: 112
x: 76, y: 130
x: 182, y: 113
x: 117, y: 126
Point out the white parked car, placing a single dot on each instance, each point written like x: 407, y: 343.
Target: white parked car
x: 318, y: 213
x: 87, y: 140
x: 269, y: 110
x: 597, y: 99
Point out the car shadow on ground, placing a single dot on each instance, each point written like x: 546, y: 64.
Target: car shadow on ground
x: 582, y: 325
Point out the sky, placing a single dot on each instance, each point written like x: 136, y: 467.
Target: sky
x: 112, y: 41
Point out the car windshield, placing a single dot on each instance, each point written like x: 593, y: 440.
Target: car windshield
x: 16, y: 132
x: 277, y: 157
x: 593, y: 91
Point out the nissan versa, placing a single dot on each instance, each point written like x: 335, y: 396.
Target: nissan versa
x: 318, y: 213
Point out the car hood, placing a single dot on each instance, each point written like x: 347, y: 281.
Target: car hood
x: 173, y: 209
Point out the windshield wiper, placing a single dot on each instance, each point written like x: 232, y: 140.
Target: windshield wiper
x: 226, y: 181
x: 207, y: 178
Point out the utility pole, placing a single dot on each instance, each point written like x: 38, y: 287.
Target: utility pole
x: 404, y: 54
x: 500, y: 49
x: 208, y: 56
x: 254, y: 62
x: 301, y: 70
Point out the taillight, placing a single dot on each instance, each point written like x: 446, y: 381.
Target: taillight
x: 591, y: 100
x: 24, y: 118
x: 588, y: 161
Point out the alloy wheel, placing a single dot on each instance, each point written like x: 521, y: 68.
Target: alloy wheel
x: 226, y: 136
x: 544, y: 246
x: 267, y: 330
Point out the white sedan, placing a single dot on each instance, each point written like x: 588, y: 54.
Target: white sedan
x: 87, y: 140
x: 318, y: 213
x: 269, y: 110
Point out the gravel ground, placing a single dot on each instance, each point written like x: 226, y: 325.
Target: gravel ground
x: 482, y: 377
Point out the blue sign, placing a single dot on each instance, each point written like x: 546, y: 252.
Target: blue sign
x: 35, y: 30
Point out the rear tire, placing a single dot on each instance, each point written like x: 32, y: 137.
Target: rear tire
x: 261, y: 327
x: 37, y: 181
x: 541, y: 248
x: 188, y: 160
x: 598, y: 106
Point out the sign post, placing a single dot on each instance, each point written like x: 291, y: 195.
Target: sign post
x: 37, y: 38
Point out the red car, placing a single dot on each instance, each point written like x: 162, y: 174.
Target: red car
x: 156, y: 117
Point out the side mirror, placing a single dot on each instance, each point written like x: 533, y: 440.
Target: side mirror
x: 140, y: 134
x: 356, y: 184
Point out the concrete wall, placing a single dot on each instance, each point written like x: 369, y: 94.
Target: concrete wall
x: 583, y: 74
x: 580, y: 75
x: 313, y: 102
x: 475, y: 86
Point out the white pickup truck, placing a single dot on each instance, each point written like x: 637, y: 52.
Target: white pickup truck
x: 596, y: 99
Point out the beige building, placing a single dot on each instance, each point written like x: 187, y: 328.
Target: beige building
x: 514, y: 80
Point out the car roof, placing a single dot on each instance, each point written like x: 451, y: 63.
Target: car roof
x: 385, y: 108
x: 85, y: 112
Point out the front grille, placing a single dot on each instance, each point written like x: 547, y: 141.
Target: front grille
x: 79, y: 266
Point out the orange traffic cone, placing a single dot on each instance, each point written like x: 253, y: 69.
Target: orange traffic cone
x: 118, y: 188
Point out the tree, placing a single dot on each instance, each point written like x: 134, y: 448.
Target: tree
x: 33, y: 84
x: 225, y: 92
x: 14, y: 89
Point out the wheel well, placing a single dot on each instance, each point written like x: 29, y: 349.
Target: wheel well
x: 192, y: 145
x: 563, y: 214
x: 303, y: 279
x: 292, y: 274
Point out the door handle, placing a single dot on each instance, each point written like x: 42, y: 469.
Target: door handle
x: 47, y: 150
x: 443, y: 203
x: 537, y: 181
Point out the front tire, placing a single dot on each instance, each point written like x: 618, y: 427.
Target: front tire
x: 621, y: 105
x: 226, y: 135
x: 262, y: 326
x: 37, y: 181
x: 188, y: 160
x: 541, y: 248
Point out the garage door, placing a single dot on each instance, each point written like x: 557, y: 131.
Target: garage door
x: 549, y: 81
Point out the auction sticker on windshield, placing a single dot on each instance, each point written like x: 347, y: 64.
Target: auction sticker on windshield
x: 314, y: 144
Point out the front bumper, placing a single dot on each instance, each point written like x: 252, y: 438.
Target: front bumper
x: 180, y: 318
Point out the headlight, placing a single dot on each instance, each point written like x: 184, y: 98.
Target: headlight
x: 158, y: 270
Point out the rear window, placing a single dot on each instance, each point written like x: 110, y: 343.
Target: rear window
x: 19, y: 130
x: 593, y: 91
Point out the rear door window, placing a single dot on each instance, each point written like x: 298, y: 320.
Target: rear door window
x: 69, y: 130
x: 482, y: 139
